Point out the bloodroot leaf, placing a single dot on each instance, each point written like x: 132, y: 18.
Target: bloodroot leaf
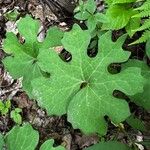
x: 22, y: 138
x: 23, y: 62
x: 83, y: 87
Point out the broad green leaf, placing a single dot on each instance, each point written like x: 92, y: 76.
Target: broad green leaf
x: 110, y: 145
x: 143, y: 98
x: 83, y: 88
x: 136, y: 123
x: 22, y: 138
x: 48, y: 145
x: 118, y: 16
x: 23, y: 62
x: 1, y: 141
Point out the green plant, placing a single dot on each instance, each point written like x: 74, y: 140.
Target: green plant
x: 15, y: 115
x: 87, y: 11
x: 23, y: 61
x: 119, y: 14
x: 78, y: 87
x: 4, y: 107
x: 84, y: 85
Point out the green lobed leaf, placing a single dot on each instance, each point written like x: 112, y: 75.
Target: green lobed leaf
x: 110, y: 145
x: 143, y: 98
x: 22, y: 138
x: 23, y: 62
x: 83, y: 88
x: 48, y: 145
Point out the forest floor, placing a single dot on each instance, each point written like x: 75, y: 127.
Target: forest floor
x: 52, y: 126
